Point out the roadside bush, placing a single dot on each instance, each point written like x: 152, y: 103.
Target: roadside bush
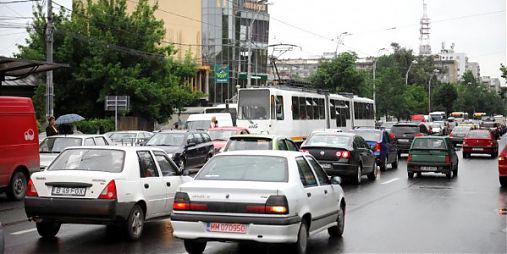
x: 93, y: 125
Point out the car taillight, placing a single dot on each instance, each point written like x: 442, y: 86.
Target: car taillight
x: 30, y: 190
x: 277, y: 204
x: 502, y: 160
x: 419, y: 135
x: 409, y: 159
x: 447, y: 159
x: 465, y: 142
x: 451, y: 135
x: 304, y: 151
x: 343, y: 154
x: 377, y: 147
x: 182, y: 203
x: 109, y: 191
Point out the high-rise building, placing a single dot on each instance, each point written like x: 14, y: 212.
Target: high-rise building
x: 424, y: 33
x: 452, y: 64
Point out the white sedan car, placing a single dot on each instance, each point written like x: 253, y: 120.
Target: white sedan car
x: 116, y: 186
x: 260, y: 196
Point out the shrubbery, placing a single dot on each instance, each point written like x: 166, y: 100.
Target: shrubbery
x: 93, y: 125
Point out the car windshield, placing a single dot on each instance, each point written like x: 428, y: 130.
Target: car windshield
x: 221, y: 134
x: 198, y: 125
x: 404, y: 129
x: 328, y: 140
x: 166, y: 139
x: 478, y: 134
x: 58, y: 144
x: 429, y: 143
x: 245, y: 168
x: 105, y: 160
x: 239, y: 144
x: 488, y: 124
x: 122, y: 136
x: 369, y: 135
x: 435, y: 125
x: 461, y: 129
x: 253, y: 104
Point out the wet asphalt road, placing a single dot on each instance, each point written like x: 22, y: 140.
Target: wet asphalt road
x: 392, y: 214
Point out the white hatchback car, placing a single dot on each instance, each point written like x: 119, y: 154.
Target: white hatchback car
x: 259, y: 196
x: 116, y: 186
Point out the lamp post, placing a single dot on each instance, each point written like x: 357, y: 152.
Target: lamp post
x: 406, y: 75
x: 374, y: 86
x: 435, y: 71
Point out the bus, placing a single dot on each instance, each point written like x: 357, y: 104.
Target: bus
x: 480, y: 115
x: 296, y: 112
x: 437, y: 116
x: 459, y: 116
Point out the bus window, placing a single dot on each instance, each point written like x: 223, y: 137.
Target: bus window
x: 279, y: 108
x: 295, y: 108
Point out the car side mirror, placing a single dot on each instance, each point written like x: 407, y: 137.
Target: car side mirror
x: 336, y: 180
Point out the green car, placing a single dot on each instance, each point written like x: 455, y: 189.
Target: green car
x: 259, y: 142
x: 432, y: 154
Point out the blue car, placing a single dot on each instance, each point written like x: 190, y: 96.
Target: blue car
x: 383, y: 145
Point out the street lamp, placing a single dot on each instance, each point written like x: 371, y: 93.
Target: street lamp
x: 406, y: 75
x: 435, y: 71
x: 374, y: 87
x: 339, y: 41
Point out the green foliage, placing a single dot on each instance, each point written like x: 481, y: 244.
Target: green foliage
x: 416, y: 100
x: 339, y: 74
x: 503, y: 69
x: 93, y: 126
x: 444, y: 97
x: 112, y: 52
x: 469, y: 79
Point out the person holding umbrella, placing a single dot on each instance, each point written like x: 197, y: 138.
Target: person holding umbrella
x: 51, y: 129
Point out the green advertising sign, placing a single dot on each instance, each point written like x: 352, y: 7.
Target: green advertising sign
x: 221, y: 73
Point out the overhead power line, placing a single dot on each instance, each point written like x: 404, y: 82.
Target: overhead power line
x: 18, y: 1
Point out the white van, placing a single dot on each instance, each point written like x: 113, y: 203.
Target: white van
x: 203, y: 121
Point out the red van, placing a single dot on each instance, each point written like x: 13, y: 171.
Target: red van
x: 19, y: 145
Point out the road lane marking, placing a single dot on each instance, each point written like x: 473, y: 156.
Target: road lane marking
x: 392, y: 180
x: 24, y: 231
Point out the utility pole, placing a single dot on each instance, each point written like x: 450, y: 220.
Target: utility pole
x: 374, y: 85
x: 49, y: 59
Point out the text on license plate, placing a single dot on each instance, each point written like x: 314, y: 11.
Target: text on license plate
x: 227, y: 228
x: 477, y: 149
x: 68, y: 191
x: 428, y: 168
x: 326, y: 166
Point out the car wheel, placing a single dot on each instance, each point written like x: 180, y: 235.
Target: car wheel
x: 503, y: 181
x: 135, y: 223
x: 449, y: 175
x: 194, y: 247
x: 373, y: 175
x: 466, y: 155
x: 410, y: 175
x: 419, y: 174
x: 399, y: 155
x: 455, y: 171
x: 494, y: 155
x: 301, y: 245
x: 383, y: 165
x: 359, y: 174
x: 337, y: 231
x: 17, y: 186
x: 47, y: 229
x: 394, y: 165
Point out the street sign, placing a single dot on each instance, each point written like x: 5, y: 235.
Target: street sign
x: 221, y: 73
x: 117, y: 103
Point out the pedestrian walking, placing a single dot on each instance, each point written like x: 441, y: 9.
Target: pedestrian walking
x: 51, y: 130
x: 214, y: 122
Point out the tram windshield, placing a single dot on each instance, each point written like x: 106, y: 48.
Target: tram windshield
x: 253, y: 104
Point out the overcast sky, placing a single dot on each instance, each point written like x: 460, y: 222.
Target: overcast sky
x: 477, y: 27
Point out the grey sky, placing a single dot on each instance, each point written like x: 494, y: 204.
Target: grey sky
x: 481, y: 37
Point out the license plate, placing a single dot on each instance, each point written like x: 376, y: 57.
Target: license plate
x: 477, y: 149
x: 227, y: 228
x: 428, y: 168
x: 403, y: 140
x: 326, y: 166
x: 68, y: 191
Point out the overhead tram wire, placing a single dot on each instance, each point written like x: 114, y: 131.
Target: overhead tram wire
x: 18, y: 1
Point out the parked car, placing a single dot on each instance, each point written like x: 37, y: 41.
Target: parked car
x: 116, y: 186
x: 480, y: 141
x: 458, y: 133
x: 502, y: 167
x: 432, y: 154
x: 189, y: 149
x: 342, y: 154
x: 50, y: 147
x: 259, y: 142
x: 203, y: 121
x: 258, y: 196
x: 383, y: 145
x: 404, y: 133
x: 130, y: 138
x: 18, y: 145
x: 221, y: 135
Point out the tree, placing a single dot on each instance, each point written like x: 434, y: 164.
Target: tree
x: 445, y: 96
x: 339, y: 74
x: 469, y: 79
x: 416, y: 100
x: 503, y: 69
x: 112, y: 52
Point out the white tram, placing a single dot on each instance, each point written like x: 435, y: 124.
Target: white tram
x: 295, y: 112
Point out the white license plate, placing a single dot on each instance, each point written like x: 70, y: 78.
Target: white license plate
x: 477, y: 149
x: 326, y: 166
x: 68, y: 191
x: 227, y: 228
x: 428, y: 168
x: 403, y: 140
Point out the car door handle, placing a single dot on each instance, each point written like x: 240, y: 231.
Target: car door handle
x: 168, y: 184
x: 325, y: 191
x: 146, y: 186
x: 309, y: 194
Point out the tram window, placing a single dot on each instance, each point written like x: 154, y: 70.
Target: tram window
x: 356, y: 111
x: 347, y: 105
x: 295, y: 108
x: 273, y: 107
x: 332, y: 109
x: 322, y: 111
x: 279, y: 108
x: 316, y: 112
x: 302, y: 108
x: 309, y: 108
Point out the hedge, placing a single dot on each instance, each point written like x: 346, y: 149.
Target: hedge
x: 93, y: 125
